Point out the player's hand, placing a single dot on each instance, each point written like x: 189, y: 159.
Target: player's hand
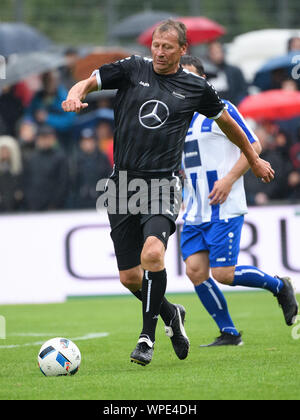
x: 73, y: 105
x: 220, y: 191
x: 262, y: 169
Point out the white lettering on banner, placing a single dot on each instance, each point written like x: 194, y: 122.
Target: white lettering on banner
x: 83, y: 262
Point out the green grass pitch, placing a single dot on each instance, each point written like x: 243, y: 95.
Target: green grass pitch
x: 266, y: 367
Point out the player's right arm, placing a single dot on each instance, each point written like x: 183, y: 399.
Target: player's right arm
x: 77, y: 94
x: 109, y: 76
x: 261, y: 168
x: 212, y: 107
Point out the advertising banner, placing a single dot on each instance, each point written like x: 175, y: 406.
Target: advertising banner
x: 47, y: 257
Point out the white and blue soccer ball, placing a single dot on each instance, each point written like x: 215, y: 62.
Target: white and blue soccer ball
x: 59, y: 356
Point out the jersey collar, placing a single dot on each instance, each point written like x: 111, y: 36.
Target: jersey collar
x: 168, y: 75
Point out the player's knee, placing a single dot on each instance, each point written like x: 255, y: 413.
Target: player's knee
x: 196, y: 274
x: 132, y: 279
x: 152, y: 257
x: 223, y: 275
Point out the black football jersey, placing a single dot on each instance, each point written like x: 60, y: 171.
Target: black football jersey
x: 153, y: 112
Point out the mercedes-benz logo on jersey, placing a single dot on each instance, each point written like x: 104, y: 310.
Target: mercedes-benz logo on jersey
x: 153, y: 114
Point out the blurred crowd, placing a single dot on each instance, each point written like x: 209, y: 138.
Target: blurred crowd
x: 52, y: 160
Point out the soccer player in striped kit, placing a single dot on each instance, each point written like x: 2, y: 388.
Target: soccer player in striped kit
x: 214, y: 217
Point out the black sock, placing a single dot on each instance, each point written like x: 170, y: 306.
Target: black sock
x: 153, y: 290
x: 138, y: 294
x: 167, y: 309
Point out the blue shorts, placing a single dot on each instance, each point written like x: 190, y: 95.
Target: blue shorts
x: 220, y: 238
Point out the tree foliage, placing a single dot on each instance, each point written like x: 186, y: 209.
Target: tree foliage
x: 85, y: 21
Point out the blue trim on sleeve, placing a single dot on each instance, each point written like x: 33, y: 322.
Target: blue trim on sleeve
x: 239, y: 119
x: 195, y: 116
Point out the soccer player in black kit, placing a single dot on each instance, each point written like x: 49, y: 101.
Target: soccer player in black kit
x: 154, y: 105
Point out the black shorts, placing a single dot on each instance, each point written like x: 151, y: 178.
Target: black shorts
x: 157, y: 218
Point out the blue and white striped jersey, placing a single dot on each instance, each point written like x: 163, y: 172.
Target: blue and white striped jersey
x: 208, y: 156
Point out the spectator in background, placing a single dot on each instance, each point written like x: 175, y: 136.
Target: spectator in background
x: 11, y: 110
x: 45, y: 108
x: 294, y: 186
x: 229, y: 81
x: 294, y: 174
x: 67, y: 71
x: 290, y: 126
x: 11, y: 194
x: 259, y: 193
x: 24, y: 93
x: 280, y: 77
x: 104, y: 138
x: 2, y: 126
x: 293, y: 44
x: 289, y: 84
x: 46, y: 173
x: 91, y: 166
x: 26, y: 137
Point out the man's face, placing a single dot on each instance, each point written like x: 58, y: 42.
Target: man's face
x: 27, y: 132
x: 216, y: 54
x: 295, y: 46
x: 5, y: 154
x: 46, y: 141
x: 88, y: 145
x: 166, y: 52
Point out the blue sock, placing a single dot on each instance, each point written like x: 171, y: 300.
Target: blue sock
x: 214, y: 302
x: 247, y: 275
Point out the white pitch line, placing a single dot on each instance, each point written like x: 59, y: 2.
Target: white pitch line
x: 38, y: 343
x: 31, y: 335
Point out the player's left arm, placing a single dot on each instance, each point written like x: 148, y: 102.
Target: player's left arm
x: 223, y: 186
x: 261, y: 168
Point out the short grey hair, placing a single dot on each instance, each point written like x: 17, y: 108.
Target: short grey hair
x: 170, y: 24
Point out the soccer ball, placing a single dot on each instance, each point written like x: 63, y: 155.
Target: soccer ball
x: 59, y: 356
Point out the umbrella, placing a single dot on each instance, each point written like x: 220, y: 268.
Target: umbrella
x: 134, y: 25
x: 199, y: 30
x: 286, y: 63
x: 86, y: 65
x: 274, y: 104
x: 20, y: 38
x: 251, y: 50
x: 20, y: 66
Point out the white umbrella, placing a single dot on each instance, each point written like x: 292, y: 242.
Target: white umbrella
x: 251, y: 50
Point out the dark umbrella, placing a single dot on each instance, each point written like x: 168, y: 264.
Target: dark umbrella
x: 134, y: 25
x: 20, y: 38
x: 284, y: 64
x: 21, y: 66
x: 199, y: 30
x: 274, y: 104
